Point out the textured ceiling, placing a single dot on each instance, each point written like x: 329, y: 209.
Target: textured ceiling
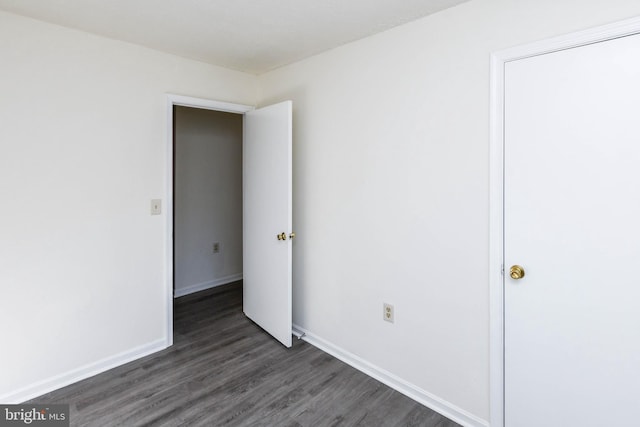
x: 247, y: 35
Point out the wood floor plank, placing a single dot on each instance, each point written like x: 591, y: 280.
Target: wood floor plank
x: 223, y: 370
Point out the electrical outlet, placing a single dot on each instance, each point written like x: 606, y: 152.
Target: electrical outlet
x: 216, y: 247
x: 387, y: 312
x: 156, y: 207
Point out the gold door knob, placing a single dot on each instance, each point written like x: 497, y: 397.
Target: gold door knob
x: 282, y: 236
x: 516, y: 272
x: 292, y: 235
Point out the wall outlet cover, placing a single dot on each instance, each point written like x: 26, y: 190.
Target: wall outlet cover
x: 388, y: 312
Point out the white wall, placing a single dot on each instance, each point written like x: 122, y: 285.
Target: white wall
x: 208, y: 198
x: 391, y: 193
x: 82, y: 152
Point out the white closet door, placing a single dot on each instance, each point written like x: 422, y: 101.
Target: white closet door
x: 572, y: 221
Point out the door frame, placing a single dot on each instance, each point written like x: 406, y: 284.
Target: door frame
x: 183, y: 101
x: 624, y: 28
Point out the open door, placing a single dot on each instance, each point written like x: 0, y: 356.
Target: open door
x: 267, y: 219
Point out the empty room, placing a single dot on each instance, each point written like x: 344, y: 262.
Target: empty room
x: 298, y: 213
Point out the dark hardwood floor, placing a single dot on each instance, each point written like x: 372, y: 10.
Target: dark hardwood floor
x: 223, y: 370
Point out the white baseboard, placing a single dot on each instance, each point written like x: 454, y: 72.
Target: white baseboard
x: 180, y: 292
x: 45, y: 386
x: 439, y: 405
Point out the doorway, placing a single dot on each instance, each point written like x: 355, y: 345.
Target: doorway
x: 173, y: 102
x: 207, y: 209
x: 267, y: 235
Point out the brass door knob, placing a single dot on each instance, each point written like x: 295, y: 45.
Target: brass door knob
x: 292, y: 235
x: 516, y: 272
x: 282, y: 236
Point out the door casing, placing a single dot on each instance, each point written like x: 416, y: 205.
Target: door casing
x: 496, y: 191
x: 184, y: 101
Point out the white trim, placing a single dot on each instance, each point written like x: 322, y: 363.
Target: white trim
x: 208, y: 104
x: 427, y: 399
x: 83, y: 372
x: 568, y: 41
x: 185, y: 101
x: 496, y: 197
x: 496, y: 297
x: 207, y: 285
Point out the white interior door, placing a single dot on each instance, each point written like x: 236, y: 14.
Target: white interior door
x: 572, y: 221
x: 267, y: 218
